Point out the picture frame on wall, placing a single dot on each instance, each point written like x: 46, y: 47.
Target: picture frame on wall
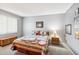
x: 76, y: 19
x: 39, y: 24
x: 68, y: 29
x: 77, y: 12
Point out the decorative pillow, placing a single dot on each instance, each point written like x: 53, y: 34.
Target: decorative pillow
x: 45, y: 33
x: 38, y: 33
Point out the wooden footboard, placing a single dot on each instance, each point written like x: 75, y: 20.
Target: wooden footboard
x: 28, y: 48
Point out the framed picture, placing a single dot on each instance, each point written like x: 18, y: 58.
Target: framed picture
x: 68, y: 29
x: 39, y: 24
x: 76, y: 20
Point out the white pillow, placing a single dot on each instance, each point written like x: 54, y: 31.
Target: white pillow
x: 29, y: 37
x: 42, y: 38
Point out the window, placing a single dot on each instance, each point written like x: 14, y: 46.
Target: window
x: 3, y: 22
x: 7, y: 24
x: 12, y: 25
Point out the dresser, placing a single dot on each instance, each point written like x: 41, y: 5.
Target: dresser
x: 55, y: 40
x: 7, y: 39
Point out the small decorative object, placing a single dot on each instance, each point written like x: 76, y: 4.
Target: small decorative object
x: 39, y: 24
x: 68, y: 29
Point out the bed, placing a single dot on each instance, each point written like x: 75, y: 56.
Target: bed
x: 31, y: 45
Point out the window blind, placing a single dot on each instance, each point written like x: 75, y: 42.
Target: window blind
x: 8, y: 24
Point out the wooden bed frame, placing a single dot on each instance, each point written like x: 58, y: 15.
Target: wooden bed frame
x: 28, y: 48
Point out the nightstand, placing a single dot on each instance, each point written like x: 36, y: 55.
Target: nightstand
x: 55, y: 40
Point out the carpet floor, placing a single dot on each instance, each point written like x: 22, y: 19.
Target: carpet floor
x: 53, y: 50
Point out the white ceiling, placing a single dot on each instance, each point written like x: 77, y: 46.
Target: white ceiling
x: 35, y: 9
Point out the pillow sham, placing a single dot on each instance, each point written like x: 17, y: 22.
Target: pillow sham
x: 42, y: 38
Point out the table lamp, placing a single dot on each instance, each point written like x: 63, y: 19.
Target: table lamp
x: 77, y: 35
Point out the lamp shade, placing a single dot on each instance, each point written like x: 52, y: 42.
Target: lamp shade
x: 77, y: 35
